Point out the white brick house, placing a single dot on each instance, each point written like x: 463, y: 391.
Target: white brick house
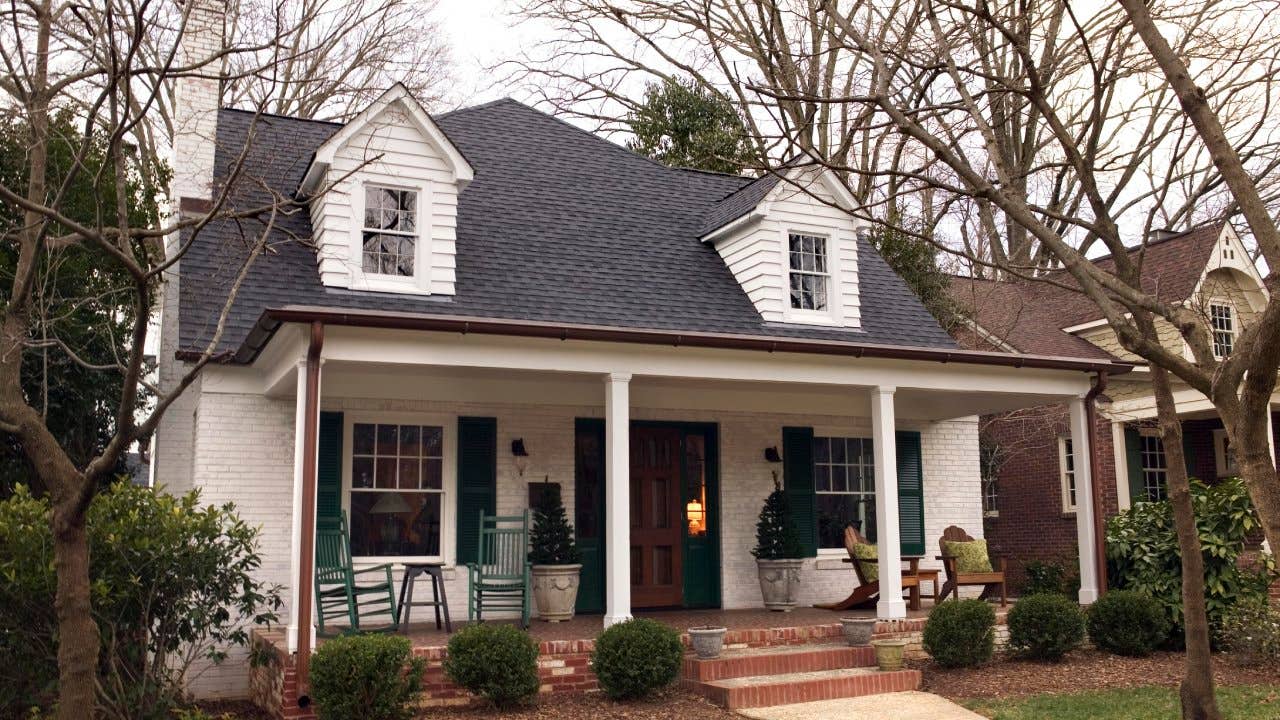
x: 521, y: 279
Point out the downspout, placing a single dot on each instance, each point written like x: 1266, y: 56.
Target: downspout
x: 1095, y: 494
x: 306, y: 564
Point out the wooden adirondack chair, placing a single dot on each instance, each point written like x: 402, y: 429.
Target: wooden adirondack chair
x: 867, y: 592
x: 500, y: 578
x: 989, y: 581
x: 339, y: 590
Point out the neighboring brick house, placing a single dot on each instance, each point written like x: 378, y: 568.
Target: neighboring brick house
x: 1028, y: 494
x: 651, y: 335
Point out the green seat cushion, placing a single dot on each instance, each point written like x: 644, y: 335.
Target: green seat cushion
x: 866, y: 551
x: 971, y: 556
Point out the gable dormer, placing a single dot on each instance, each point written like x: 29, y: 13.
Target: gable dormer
x: 792, y: 244
x: 385, y: 204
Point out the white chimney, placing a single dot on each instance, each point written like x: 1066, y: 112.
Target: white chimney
x: 197, y: 95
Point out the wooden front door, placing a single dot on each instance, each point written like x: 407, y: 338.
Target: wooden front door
x: 656, y: 520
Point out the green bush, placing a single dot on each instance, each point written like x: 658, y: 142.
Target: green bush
x: 1126, y: 622
x: 496, y: 662
x: 960, y: 633
x: 365, y: 676
x: 1143, y: 555
x: 636, y: 657
x: 1251, y: 633
x: 1049, y: 576
x: 1045, y: 626
x: 172, y: 583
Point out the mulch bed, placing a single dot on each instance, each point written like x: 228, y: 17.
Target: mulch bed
x: 238, y: 709
x: 1081, y: 670
x: 673, y: 704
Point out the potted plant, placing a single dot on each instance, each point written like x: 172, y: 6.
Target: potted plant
x: 778, y: 553
x: 858, y: 631
x: 707, y: 641
x: 889, y: 653
x: 554, y: 557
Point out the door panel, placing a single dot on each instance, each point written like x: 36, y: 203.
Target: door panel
x: 588, y: 500
x: 656, y: 537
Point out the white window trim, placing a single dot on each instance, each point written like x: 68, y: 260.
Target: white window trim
x: 1235, y: 325
x: 420, y: 283
x: 1155, y: 433
x: 449, y: 477
x: 1063, y: 481
x: 834, y: 314
x: 1220, y: 455
x: 864, y: 434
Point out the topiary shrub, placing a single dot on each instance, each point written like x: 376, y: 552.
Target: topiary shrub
x: 1045, y: 626
x: 1050, y: 576
x: 374, y: 677
x: 636, y: 657
x: 496, y: 662
x: 1251, y: 633
x: 1127, y: 622
x: 960, y: 633
x: 1143, y: 555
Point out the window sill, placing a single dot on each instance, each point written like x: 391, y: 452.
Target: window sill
x: 387, y: 284
x: 991, y: 514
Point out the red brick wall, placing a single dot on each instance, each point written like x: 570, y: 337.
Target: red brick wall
x: 1031, y: 524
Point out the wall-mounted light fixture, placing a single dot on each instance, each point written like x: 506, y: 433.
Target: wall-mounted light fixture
x: 772, y: 457
x: 520, y: 454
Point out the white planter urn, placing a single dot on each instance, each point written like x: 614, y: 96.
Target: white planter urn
x: 779, y: 583
x: 555, y: 591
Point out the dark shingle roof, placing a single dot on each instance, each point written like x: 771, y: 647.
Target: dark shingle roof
x: 1030, y: 316
x: 558, y: 226
x: 738, y: 203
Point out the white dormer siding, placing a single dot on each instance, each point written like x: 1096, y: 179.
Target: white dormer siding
x: 392, y: 145
x: 756, y: 249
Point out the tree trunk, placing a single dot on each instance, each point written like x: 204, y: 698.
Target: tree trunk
x: 77, y: 632
x: 1196, y: 691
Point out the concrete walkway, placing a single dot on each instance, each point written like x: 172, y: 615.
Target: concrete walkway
x: 899, y: 706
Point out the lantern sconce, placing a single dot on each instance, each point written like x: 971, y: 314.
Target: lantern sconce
x: 772, y: 457
x: 520, y: 454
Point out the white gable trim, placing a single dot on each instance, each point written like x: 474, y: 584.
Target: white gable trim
x: 1229, y: 254
x: 400, y: 96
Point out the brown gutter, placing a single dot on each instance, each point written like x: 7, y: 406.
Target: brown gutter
x: 272, y: 318
x: 1095, y: 494
x: 306, y: 569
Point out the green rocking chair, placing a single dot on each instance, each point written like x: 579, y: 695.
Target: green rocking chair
x: 500, y: 580
x: 339, y: 590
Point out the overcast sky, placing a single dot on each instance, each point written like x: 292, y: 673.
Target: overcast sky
x: 481, y: 34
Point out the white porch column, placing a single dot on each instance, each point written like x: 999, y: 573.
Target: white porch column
x: 295, y: 536
x: 888, y: 540
x: 617, y: 498
x: 1080, y: 452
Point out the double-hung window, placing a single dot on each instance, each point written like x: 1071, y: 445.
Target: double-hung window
x: 845, y: 484
x: 809, y: 275
x: 1155, y: 467
x: 390, y: 234
x: 1223, y: 324
x: 397, y: 490
x: 1067, y: 474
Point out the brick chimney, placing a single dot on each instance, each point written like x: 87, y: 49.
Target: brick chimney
x: 197, y: 96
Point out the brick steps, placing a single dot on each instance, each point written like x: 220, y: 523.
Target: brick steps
x: 798, y: 687
x: 776, y: 660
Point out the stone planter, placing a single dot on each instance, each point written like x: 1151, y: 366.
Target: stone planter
x: 779, y: 583
x: 555, y: 591
x: 707, y: 642
x: 857, y: 631
x: 889, y: 653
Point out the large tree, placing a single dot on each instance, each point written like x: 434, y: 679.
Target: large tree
x: 683, y: 124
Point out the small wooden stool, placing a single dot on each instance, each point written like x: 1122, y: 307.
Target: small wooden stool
x: 440, y: 600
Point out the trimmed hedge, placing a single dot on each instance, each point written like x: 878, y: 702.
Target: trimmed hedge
x: 960, y: 633
x: 373, y: 677
x: 1127, y: 622
x: 497, y: 662
x: 634, y: 658
x: 1045, y: 626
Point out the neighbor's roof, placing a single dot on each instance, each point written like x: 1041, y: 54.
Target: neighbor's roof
x: 1030, y: 316
x: 558, y: 225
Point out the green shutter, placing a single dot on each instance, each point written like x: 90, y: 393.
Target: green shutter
x: 1189, y: 452
x: 910, y: 493
x: 477, y: 481
x: 329, y: 467
x: 797, y: 474
x: 1133, y: 457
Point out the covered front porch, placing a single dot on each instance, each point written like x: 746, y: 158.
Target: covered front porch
x: 343, y: 380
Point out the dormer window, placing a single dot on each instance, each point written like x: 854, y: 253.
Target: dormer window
x: 390, y: 232
x: 809, y: 274
x: 1223, y: 324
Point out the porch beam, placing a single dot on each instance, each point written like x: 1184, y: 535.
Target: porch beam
x: 1085, y: 530
x: 617, y: 497
x: 888, y: 537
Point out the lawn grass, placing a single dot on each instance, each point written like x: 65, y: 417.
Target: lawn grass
x: 1250, y: 702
